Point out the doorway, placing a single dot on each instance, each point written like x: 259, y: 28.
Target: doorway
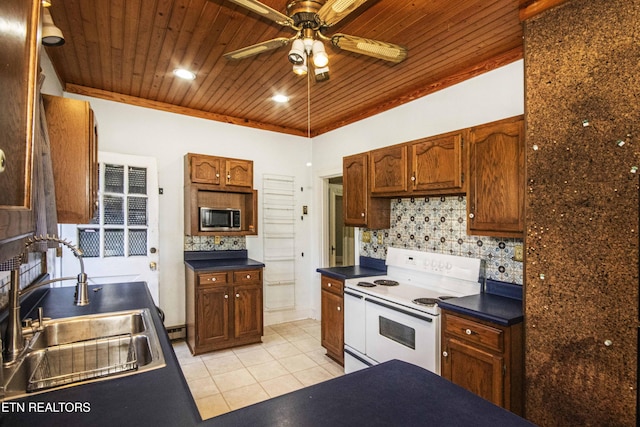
x: 341, y: 238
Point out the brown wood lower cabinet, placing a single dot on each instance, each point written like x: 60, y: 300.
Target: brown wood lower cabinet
x: 332, y: 323
x: 484, y: 358
x: 224, y: 309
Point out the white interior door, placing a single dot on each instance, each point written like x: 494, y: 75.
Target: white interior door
x: 121, y: 243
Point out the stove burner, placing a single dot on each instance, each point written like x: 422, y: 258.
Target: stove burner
x: 429, y: 302
x: 445, y: 297
x: 366, y: 284
x: 386, y: 282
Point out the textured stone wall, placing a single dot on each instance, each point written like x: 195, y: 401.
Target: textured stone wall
x: 582, y: 76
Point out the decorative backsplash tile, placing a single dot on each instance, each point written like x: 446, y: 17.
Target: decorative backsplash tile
x: 208, y: 243
x: 438, y: 224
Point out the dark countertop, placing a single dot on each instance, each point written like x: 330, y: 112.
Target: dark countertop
x: 394, y: 393
x: 158, y: 397
x: 220, y: 260
x: 501, y: 303
x: 368, y: 267
x: 410, y: 396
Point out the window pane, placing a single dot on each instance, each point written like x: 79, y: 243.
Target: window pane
x: 114, y: 179
x: 113, y: 210
x: 137, y: 180
x: 89, y: 242
x: 136, y: 211
x: 113, y: 242
x: 137, y: 242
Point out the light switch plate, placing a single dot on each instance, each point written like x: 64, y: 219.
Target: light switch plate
x: 518, y: 253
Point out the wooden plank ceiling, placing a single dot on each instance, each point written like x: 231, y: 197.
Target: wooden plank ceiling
x: 126, y: 50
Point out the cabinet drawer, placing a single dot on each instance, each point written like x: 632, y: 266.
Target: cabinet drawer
x: 247, y: 276
x: 474, y: 332
x: 332, y: 285
x: 221, y: 277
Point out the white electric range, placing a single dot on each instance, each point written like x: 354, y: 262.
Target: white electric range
x: 396, y: 316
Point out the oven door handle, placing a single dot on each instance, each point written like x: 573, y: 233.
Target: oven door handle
x: 408, y: 313
x: 353, y: 295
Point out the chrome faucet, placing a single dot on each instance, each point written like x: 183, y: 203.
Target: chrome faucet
x: 14, y: 340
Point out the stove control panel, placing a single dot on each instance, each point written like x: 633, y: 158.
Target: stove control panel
x: 427, y: 262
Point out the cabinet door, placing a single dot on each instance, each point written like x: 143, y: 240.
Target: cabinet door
x: 332, y: 325
x: 212, y: 315
x: 355, y: 189
x: 388, y: 170
x: 205, y: 169
x: 239, y: 173
x: 74, y: 157
x: 20, y: 53
x: 359, y: 209
x: 495, y: 197
x: 476, y: 370
x: 436, y: 164
x: 247, y: 310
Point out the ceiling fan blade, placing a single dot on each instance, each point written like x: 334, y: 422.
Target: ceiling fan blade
x: 377, y: 49
x: 334, y: 11
x: 264, y: 10
x: 257, y: 48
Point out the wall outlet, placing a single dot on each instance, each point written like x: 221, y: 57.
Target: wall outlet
x: 518, y: 254
x: 216, y: 240
x: 366, y: 236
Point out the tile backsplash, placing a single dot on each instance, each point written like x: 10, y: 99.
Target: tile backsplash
x: 438, y: 224
x: 208, y: 243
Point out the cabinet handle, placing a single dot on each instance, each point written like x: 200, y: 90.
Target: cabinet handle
x: 362, y: 214
x: 413, y: 177
x: 3, y: 161
x: 248, y: 276
x: 226, y: 296
x: 471, y: 215
x: 229, y: 178
x: 212, y: 279
x: 339, y: 308
x: 470, y: 332
x: 217, y: 175
x: 445, y: 354
x: 237, y: 295
x: 329, y: 285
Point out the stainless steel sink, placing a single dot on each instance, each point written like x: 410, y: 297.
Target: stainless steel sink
x: 75, y: 350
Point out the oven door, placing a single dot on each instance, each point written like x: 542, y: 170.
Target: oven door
x: 395, y: 332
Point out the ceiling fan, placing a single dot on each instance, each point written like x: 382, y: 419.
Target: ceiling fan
x: 310, y: 19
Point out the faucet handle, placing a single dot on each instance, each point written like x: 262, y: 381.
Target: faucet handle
x: 27, y: 322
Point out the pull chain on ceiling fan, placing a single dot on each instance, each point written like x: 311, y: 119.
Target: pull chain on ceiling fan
x: 310, y: 19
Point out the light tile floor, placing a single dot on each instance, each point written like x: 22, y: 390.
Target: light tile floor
x: 290, y: 357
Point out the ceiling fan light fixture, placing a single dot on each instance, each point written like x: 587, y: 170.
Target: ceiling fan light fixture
x: 320, y: 57
x: 301, y: 69
x: 322, y: 74
x: 297, y: 53
x: 51, y: 35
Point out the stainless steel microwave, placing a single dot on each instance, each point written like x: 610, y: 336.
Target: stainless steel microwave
x: 215, y: 219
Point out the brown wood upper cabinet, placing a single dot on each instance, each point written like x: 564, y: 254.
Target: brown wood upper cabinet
x: 426, y: 166
x: 18, y: 103
x: 73, y: 136
x: 495, y: 196
x: 360, y: 209
x: 219, y: 182
x: 231, y: 174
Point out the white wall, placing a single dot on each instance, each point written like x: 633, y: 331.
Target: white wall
x: 166, y: 136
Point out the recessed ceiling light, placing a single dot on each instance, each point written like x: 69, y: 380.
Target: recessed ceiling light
x: 184, y: 74
x: 280, y: 98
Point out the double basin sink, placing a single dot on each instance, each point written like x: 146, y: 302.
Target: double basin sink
x: 71, y: 351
